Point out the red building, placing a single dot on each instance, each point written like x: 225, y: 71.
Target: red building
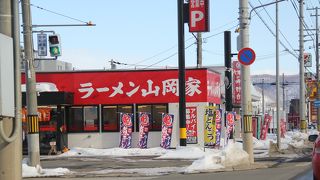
x: 88, y: 103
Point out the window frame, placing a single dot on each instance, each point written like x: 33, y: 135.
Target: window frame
x: 152, y: 115
x: 117, y: 115
x: 70, y: 120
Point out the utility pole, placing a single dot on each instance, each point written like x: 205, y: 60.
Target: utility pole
x: 113, y: 65
x: 31, y: 94
x: 317, y: 65
x: 277, y: 78
x: 246, y: 103
x: 263, y: 99
x: 283, y: 95
x: 301, y: 70
x: 11, y: 146
x: 199, y: 49
x: 317, y: 69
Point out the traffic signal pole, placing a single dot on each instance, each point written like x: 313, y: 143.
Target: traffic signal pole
x: 246, y: 103
x: 31, y: 94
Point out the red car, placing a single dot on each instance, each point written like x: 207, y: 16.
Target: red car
x: 315, y: 156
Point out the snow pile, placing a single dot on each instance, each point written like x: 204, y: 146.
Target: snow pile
x: 232, y: 155
x: 295, y: 139
x: 261, y: 144
x: 28, y: 171
x: 158, y: 151
x: 181, y: 152
x: 235, y: 155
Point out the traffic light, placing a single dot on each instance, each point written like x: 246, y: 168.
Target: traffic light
x: 54, y: 45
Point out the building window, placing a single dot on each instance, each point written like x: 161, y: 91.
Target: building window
x: 91, y: 120
x: 111, y: 116
x: 83, y: 119
x: 156, y: 111
x: 125, y: 109
x: 143, y: 108
x: 75, y: 119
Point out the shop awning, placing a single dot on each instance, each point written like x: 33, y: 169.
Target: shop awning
x: 51, y: 98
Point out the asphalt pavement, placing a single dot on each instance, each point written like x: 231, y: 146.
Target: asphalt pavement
x: 146, y: 166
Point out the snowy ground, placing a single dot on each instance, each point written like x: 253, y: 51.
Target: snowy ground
x: 204, y: 159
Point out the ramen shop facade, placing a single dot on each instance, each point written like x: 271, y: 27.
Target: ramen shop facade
x: 93, y: 118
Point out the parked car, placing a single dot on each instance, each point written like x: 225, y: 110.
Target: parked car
x: 315, y: 156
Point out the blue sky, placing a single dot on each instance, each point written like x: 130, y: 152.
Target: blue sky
x: 143, y: 33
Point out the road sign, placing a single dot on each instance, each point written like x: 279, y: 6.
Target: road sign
x: 42, y: 44
x: 246, y: 56
x: 316, y: 103
x: 307, y: 57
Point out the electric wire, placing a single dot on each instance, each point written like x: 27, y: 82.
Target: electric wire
x: 58, y: 13
x: 304, y: 24
x: 168, y: 57
x: 263, y: 21
x: 275, y: 24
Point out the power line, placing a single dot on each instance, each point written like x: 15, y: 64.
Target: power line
x: 275, y: 24
x: 304, y: 24
x: 168, y: 57
x: 295, y: 55
x: 58, y: 14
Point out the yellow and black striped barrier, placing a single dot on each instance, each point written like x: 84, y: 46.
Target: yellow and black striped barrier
x: 33, y: 124
x: 303, y: 124
x: 247, y: 123
x: 183, y: 133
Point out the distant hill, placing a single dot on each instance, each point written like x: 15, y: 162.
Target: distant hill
x: 291, y: 87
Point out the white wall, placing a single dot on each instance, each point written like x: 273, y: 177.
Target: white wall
x: 108, y: 140
x: 174, y: 109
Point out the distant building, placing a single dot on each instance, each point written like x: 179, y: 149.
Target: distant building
x: 50, y: 65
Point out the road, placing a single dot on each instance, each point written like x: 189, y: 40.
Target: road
x: 299, y: 172
x: 293, y: 170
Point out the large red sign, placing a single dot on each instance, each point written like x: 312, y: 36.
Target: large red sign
x: 198, y: 15
x: 236, y: 82
x: 126, y: 87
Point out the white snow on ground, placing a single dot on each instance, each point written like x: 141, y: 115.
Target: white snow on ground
x: 28, y: 171
x: 205, y: 159
x: 158, y: 151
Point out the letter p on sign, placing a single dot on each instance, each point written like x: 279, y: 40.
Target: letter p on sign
x: 198, y: 15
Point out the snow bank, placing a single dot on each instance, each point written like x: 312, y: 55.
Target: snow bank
x: 235, y: 155
x: 28, y: 171
x: 232, y: 155
x: 115, y: 152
